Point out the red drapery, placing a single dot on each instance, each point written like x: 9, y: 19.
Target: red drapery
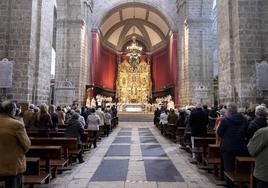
x: 164, y: 67
x: 103, y: 67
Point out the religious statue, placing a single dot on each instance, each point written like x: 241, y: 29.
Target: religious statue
x: 134, y: 61
x: 134, y: 53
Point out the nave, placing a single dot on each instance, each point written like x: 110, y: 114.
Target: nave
x: 135, y: 154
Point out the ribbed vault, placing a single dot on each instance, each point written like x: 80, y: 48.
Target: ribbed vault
x: 145, y: 22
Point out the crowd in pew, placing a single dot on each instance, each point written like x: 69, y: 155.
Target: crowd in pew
x: 237, y: 134
x: 43, y: 121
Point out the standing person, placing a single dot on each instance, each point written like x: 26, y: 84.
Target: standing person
x: 212, y: 118
x: 18, y: 114
x: 156, y: 116
x: 114, y: 111
x: 84, y: 113
x: 100, y: 113
x: 232, y: 131
x: 44, y: 122
x: 61, y: 115
x: 107, y: 120
x: 75, y: 128
x: 198, y: 123
x: 93, y: 124
x: 222, y: 114
x: 54, y: 117
x: 34, y: 120
x: 14, y: 143
x: 172, y: 117
x: 163, y: 120
x: 81, y: 118
x: 259, y: 121
x: 28, y: 115
x: 258, y: 147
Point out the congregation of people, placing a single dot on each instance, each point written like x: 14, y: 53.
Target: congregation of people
x: 237, y: 134
x: 41, y: 121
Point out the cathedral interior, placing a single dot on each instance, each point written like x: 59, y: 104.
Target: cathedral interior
x: 71, y: 51
x: 139, y: 56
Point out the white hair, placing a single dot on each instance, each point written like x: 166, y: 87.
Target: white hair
x: 261, y: 111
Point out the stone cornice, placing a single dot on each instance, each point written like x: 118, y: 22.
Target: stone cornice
x: 198, y: 21
x: 71, y: 21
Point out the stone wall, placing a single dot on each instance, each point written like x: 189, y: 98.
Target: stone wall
x: 242, y: 44
x: 195, y: 64
x: 26, y: 37
x: 15, y: 44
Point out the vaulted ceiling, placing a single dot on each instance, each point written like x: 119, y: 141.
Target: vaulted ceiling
x: 147, y: 24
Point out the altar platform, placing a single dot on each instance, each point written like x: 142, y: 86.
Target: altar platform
x: 135, y: 117
x: 132, y: 107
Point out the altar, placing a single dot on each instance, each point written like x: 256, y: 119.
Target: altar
x: 133, y: 107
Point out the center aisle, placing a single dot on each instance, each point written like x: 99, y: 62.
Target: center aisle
x: 135, y: 155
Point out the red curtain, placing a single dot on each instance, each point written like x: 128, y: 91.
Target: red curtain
x: 103, y: 67
x: 160, y: 70
x: 164, y: 67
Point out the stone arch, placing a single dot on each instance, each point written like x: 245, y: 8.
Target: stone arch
x: 162, y: 7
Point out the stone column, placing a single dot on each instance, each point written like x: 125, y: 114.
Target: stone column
x: 196, y: 67
x: 73, y: 47
x: 242, y: 34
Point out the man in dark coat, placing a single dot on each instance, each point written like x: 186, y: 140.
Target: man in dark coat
x: 259, y: 121
x: 232, y: 131
x: 198, y: 123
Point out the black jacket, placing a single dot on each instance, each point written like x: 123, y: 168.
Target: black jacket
x: 232, y: 131
x: 256, y: 124
x: 198, y: 122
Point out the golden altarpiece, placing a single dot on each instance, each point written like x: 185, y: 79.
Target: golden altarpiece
x: 134, y: 86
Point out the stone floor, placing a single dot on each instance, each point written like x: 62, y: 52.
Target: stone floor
x: 135, y: 155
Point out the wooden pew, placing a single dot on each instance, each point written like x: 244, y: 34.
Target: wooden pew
x: 33, y: 174
x: 213, y: 157
x: 201, y: 144
x: 243, y: 174
x: 62, y: 126
x: 46, y: 153
x: 66, y: 142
